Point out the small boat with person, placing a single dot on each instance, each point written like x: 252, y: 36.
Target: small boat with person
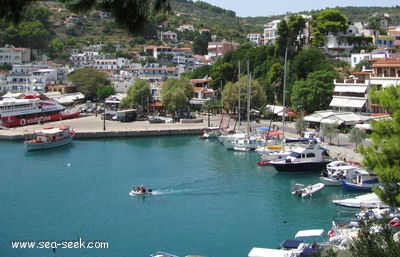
x: 49, y: 137
x: 140, y: 190
x: 307, y: 191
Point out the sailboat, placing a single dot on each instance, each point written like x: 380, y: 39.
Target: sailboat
x: 249, y: 142
x: 226, y: 138
x: 282, y: 152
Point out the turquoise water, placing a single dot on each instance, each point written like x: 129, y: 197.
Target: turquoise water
x: 207, y: 200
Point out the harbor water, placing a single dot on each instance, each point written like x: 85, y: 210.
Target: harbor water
x: 206, y: 200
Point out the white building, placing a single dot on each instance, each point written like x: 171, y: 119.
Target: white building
x: 254, y: 38
x: 14, y: 55
x: 271, y: 32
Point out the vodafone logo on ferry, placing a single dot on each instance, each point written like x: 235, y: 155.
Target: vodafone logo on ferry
x: 35, y: 120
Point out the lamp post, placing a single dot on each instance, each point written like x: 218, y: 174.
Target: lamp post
x: 95, y: 110
x: 104, y: 116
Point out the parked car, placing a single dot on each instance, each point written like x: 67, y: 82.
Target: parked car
x: 156, y: 120
x: 108, y: 115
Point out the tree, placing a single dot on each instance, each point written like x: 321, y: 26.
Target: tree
x: 231, y: 94
x: 326, y: 22
x: 382, y: 154
x: 105, y: 91
x: 136, y: 94
x: 55, y: 49
x: 309, y: 60
x: 176, y: 94
x: 130, y: 14
x: 284, y: 39
x: 301, y: 124
x: 275, y: 79
x: 200, y: 43
x: 315, y: 92
x: 174, y: 100
x: 88, y: 81
x: 330, y: 130
x: 371, y: 241
x: 357, y: 136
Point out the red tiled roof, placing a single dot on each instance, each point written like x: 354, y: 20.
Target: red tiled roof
x: 386, y: 63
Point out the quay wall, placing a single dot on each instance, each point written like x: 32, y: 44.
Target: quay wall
x: 116, y: 134
x: 139, y: 133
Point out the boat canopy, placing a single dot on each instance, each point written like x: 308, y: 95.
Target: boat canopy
x: 309, y: 233
x: 267, y: 252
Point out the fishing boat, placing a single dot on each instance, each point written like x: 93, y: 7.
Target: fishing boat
x: 336, y: 171
x: 307, y: 191
x: 32, y: 110
x: 364, y: 181
x: 49, y: 137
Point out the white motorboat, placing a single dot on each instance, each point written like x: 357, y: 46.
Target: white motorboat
x: 241, y: 148
x: 307, y: 191
x: 211, y: 132
x: 370, y: 200
x: 303, y: 245
x: 309, y: 158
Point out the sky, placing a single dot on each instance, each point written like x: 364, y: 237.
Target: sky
x: 253, y: 8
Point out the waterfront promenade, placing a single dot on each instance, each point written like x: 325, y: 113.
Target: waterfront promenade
x: 92, y: 126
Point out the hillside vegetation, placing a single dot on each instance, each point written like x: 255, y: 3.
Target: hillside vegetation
x: 224, y: 24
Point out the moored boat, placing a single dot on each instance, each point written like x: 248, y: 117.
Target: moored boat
x: 21, y: 112
x: 312, y: 157
x: 337, y: 171
x: 307, y: 191
x: 370, y: 200
x: 49, y: 137
x: 364, y: 181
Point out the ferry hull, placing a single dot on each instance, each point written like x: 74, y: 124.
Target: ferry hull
x: 14, y: 121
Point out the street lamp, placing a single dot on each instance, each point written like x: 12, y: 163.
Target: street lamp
x: 95, y: 110
x: 104, y: 116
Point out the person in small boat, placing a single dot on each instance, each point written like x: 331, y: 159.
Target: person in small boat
x: 141, y: 189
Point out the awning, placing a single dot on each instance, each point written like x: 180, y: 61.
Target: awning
x: 358, y: 103
x: 275, y: 109
x: 347, y: 102
x: 339, y: 102
x: 364, y: 126
x: 331, y: 120
x: 313, y: 118
x: 350, y: 89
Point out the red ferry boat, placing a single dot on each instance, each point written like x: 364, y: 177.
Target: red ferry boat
x: 32, y: 110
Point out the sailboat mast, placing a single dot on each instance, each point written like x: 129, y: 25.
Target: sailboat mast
x: 284, y: 94
x: 248, y: 97
x: 239, y: 93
